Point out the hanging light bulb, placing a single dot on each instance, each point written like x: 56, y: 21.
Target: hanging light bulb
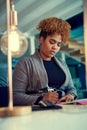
x: 17, y: 40
x: 13, y: 43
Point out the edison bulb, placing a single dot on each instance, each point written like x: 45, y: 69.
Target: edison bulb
x: 17, y: 42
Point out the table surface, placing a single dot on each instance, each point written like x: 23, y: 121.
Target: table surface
x: 71, y: 117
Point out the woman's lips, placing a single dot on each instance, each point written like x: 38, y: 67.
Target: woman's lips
x: 52, y: 52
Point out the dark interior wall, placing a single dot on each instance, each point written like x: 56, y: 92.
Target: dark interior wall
x: 78, y: 72
x: 4, y: 96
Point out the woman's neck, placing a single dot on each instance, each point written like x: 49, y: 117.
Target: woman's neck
x: 44, y: 57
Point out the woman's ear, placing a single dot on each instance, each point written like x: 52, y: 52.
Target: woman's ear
x: 41, y: 40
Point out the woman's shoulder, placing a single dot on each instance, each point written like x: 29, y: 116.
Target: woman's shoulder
x: 27, y: 60
x: 60, y: 60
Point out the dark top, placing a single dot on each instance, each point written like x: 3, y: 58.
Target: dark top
x: 56, y: 76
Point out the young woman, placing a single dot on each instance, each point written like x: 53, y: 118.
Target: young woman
x: 36, y: 74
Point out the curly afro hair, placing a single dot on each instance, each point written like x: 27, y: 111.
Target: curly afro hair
x: 54, y: 25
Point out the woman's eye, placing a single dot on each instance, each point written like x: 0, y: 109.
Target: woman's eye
x: 59, y: 44
x: 52, y: 42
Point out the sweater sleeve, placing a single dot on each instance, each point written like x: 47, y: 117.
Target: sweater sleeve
x: 70, y: 88
x: 20, y: 83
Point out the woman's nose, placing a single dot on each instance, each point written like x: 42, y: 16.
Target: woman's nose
x: 55, y: 46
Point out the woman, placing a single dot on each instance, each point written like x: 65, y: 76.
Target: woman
x: 36, y: 74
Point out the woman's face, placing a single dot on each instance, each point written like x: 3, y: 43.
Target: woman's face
x: 50, y: 46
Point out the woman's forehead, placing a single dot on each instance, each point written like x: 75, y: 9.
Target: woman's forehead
x: 55, y: 37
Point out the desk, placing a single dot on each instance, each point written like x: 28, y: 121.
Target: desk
x: 71, y: 117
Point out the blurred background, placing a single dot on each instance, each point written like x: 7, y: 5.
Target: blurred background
x: 30, y: 12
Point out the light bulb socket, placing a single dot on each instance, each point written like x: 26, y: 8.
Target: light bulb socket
x: 13, y: 17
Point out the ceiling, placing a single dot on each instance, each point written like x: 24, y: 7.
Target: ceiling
x: 30, y: 12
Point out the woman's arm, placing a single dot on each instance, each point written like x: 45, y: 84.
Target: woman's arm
x: 20, y: 83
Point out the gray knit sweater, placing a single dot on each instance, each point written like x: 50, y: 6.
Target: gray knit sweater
x: 30, y: 74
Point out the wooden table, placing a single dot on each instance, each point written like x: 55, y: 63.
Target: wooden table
x: 71, y: 117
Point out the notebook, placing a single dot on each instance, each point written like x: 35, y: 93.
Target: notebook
x: 78, y: 102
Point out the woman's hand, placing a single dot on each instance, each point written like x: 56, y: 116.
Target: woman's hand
x: 67, y: 98
x: 51, y: 96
